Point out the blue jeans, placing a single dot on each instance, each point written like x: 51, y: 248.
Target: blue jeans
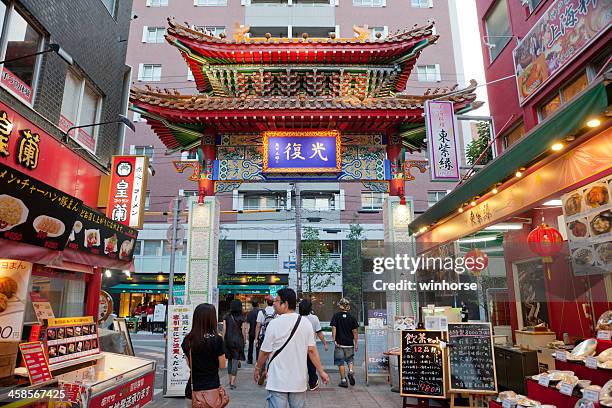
x: 286, y: 399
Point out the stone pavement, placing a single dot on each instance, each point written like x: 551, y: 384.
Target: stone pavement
x: 250, y: 395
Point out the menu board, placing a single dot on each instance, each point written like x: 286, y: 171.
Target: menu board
x: 422, y: 364
x: 97, y: 234
x: 34, y: 212
x: 588, y: 218
x: 36, y: 362
x: 471, y: 362
x: 376, y: 346
x: 14, y: 282
x: 71, y: 337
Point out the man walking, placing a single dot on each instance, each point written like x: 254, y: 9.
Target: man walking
x: 264, y: 317
x: 252, y: 321
x: 345, y: 336
x: 306, y: 311
x: 288, y: 341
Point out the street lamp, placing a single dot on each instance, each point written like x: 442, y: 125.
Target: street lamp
x: 53, y: 47
x: 121, y: 119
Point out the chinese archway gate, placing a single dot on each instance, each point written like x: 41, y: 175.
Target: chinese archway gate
x: 296, y: 109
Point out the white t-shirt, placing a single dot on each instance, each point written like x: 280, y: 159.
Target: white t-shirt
x: 316, y: 324
x: 261, y: 316
x: 288, y: 372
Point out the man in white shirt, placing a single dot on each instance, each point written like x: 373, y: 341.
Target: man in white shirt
x: 287, y: 375
x: 263, y: 318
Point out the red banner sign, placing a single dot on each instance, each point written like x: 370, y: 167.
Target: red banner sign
x: 16, y: 85
x: 127, y: 191
x: 35, y: 362
x: 134, y: 394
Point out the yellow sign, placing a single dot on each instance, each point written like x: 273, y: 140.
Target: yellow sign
x: 70, y: 321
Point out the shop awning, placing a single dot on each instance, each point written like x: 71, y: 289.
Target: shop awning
x: 252, y: 289
x: 533, y: 145
x: 143, y: 288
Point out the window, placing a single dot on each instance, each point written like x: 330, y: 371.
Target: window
x: 157, y: 3
x: 421, y: 3
x: 428, y: 73
x: 149, y: 72
x: 333, y: 247
x: 190, y: 155
x: 81, y: 105
x: 190, y: 75
x: 371, y: 200
x: 369, y: 3
x: 434, y: 196
x: 111, y: 6
x: 259, y: 202
x: 64, y: 291
x: 21, y: 39
x: 532, y: 4
x: 514, y: 135
x: 147, y: 200
x: 151, y: 248
x: 212, y: 30
x: 210, y: 3
x: 138, y: 248
x: 190, y: 193
x: 153, y: 35
x: 384, y: 31
x: 259, y: 249
x: 137, y: 117
x: 567, y: 93
x: 323, y: 202
x: 498, y: 29
x: 143, y: 151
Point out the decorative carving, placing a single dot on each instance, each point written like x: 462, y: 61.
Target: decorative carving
x: 422, y: 165
x: 181, y: 166
x: 224, y: 187
x: 240, y: 31
x: 363, y: 33
x: 376, y: 186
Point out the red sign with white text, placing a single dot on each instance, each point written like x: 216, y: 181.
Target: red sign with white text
x: 36, y: 362
x: 134, y: 394
x: 16, y: 85
x: 127, y: 190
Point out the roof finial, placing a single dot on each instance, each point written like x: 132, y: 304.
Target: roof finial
x: 362, y: 32
x: 240, y: 31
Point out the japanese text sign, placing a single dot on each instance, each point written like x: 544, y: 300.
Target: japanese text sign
x: 36, y: 362
x: 442, y: 141
x: 563, y: 31
x: 134, y: 394
x: 15, y: 279
x: 15, y: 85
x: 299, y: 152
x: 179, y: 324
x: 127, y: 190
x: 422, y: 364
x: 33, y: 212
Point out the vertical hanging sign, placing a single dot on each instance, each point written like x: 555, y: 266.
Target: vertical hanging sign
x: 127, y: 191
x: 443, y: 141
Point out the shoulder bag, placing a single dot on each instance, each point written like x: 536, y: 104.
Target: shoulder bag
x: 262, y: 376
x: 216, y: 398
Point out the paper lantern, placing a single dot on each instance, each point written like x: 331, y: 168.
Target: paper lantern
x: 545, y: 241
x: 478, y: 264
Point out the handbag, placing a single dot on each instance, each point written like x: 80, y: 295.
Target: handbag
x: 216, y: 398
x: 262, y: 374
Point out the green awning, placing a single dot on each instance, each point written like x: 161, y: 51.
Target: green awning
x: 531, y: 147
x: 142, y: 288
x: 251, y: 289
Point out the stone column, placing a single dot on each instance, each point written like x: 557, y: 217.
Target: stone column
x: 206, y: 185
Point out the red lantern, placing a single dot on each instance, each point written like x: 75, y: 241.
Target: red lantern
x: 478, y: 259
x: 546, y: 242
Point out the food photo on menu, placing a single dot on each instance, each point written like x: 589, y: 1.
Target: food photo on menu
x: 70, y: 332
x: 78, y: 331
x: 61, y: 333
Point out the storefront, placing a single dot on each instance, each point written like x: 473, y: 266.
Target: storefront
x: 540, y: 216
x: 248, y: 288
x: 53, y: 248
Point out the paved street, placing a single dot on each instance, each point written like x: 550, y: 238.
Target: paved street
x: 248, y: 394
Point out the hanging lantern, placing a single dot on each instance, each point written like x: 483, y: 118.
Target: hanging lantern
x: 546, y: 242
x: 479, y: 260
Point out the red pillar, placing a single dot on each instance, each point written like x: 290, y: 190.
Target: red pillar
x: 206, y: 185
x: 92, y: 302
x: 395, y: 157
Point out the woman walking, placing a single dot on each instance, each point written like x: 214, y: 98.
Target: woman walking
x: 203, y: 348
x: 234, y: 338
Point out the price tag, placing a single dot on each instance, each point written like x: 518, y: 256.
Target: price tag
x: 591, y: 362
x: 567, y: 388
x: 604, y: 335
x: 507, y: 404
x: 544, y: 380
x: 591, y: 395
x: 561, y: 356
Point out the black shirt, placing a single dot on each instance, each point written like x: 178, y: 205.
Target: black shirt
x: 205, y: 364
x: 252, y: 321
x: 344, y: 323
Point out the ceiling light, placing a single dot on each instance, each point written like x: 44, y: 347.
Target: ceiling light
x: 460, y: 209
x: 107, y: 273
x: 477, y: 239
x: 553, y: 203
x: 518, y: 174
x: 593, y: 123
x: 473, y: 203
x: 557, y: 146
x: 495, y: 190
x: 423, y: 229
x: 505, y: 226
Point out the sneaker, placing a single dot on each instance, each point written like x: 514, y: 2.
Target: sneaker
x: 232, y: 387
x: 343, y: 383
x: 314, y: 387
x: 351, y: 377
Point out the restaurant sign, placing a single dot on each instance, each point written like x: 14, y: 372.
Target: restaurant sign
x: 564, y: 30
x: 33, y: 212
x: 302, y: 151
x: 254, y: 280
x: 442, y: 140
x: 127, y: 190
x: 16, y: 86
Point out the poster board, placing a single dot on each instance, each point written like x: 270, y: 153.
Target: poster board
x: 69, y: 338
x: 120, y: 325
x: 14, y: 283
x: 177, y: 374
x: 422, y: 364
x: 471, y: 362
x: 36, y: 362
x: 377, y: 364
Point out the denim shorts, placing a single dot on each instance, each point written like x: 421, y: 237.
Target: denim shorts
x: 286, y: 399
x: 343, y: 355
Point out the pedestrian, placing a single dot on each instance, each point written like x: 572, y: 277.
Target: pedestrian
x: 264, y: 317
x: 234, y: 337
x: 252, y: 321
x: 150, y: 311
x: 289, y: 339
x: 203, y: 348
x: 306, y: 311
x: 345, y: 336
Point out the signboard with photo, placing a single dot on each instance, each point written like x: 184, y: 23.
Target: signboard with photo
x: 588, y: 218
x: 127, y: 192
x: 422, y: 364
x: 14, y: 282
x: 33, y: 212
x: 302, y: 151
x: 442, y: 140
x: 70, y: 338
x: 42, y: 307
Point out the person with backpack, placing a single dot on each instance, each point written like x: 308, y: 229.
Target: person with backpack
x: 289, y: 339
x: 252, y: 321
x: 306, y: 311
x: 264, y: 317
x: 234, y: 337
x: 345, y: 335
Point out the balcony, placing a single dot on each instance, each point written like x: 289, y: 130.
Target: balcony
x: 334, y: 259
x: 157, y: 264
x: 257, y: 263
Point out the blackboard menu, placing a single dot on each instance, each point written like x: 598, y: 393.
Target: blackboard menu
x: 470, y: 357
x: 376, y: 345
x: 422, y: 364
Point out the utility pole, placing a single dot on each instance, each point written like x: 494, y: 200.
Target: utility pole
x: 298, y: 238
